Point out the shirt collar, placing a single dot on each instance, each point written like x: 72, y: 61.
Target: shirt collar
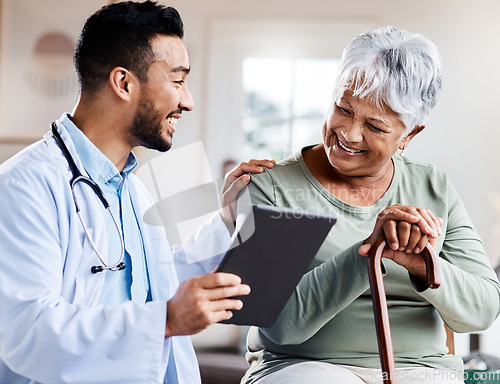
x: 98, y: 166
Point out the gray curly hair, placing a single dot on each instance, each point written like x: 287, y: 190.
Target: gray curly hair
x: 391, y: 67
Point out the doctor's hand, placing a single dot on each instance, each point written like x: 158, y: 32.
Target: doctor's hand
x: 234, y: 182
x: 202, y: 301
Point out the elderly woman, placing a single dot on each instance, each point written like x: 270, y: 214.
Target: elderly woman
x: 389, y: 81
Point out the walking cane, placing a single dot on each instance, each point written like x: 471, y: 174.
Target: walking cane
x: 380, y: 303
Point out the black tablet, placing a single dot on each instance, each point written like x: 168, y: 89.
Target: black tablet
x: 271, y: 251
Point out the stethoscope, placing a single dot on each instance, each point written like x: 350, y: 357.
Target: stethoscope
x: 78, y: 177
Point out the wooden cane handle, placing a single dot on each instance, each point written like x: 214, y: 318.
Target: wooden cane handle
x: 380, y: 302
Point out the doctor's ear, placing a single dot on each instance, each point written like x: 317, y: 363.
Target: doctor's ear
x: 123, y: 82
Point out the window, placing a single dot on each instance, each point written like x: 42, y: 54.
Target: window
x: 285, y: 103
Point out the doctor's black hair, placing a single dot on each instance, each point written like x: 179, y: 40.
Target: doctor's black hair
x: 120, y: 34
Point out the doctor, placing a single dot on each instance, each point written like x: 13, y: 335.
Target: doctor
x: 93, y: 296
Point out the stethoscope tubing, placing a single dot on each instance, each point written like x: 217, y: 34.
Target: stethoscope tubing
x: 78, y: 177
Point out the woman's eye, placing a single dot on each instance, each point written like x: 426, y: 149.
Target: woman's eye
x: 374, y: 128
x: 342, y: 110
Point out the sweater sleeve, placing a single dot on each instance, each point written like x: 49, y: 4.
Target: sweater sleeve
x: 468, y: 299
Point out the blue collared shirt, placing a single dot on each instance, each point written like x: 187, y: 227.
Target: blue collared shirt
x: 131, y: 283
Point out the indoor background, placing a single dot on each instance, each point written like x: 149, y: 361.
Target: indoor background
x: 262, y: 73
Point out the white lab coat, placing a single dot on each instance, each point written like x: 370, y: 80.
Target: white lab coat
x: 51, y: 329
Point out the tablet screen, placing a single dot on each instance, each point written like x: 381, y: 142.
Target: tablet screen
x: 278, y: 246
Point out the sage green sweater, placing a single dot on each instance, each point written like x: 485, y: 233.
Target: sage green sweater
x: 329, y: 317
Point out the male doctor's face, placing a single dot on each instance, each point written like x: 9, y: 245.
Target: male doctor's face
x: 164, y: 96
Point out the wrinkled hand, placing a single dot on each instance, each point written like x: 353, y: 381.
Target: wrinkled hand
x: 406, y: 230
x: 202, y: 301
x: 235, y: 181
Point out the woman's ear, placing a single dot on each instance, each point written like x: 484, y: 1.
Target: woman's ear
x: 123, y: 82
x: 409, y: 137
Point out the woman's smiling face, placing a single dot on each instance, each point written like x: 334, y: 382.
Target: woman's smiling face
x: 360, y: 139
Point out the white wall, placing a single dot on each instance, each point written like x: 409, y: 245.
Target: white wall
x: 36, y: 87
